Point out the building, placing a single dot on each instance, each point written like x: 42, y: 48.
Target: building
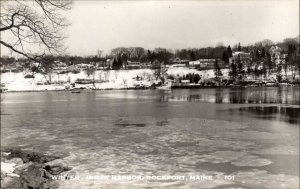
x: 207, y: 63
x: 72, y: 68
x: 194, y: 64
x: 279, y: 59
x: 133, y: 65
x: 145, y: 65
x: 244, y: 57
x: 83, y: 66
x: 102, y: 65
x: 276, y: 55
x: 177, y: 60
x: 60, y: 65
x: 177, y: 66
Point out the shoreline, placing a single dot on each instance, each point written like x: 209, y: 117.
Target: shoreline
x: 151, y: 88
x: 30, y: 169
x: 123, y: 80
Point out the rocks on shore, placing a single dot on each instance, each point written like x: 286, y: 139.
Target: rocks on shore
x: 30, y: 170
x: 30, y: 156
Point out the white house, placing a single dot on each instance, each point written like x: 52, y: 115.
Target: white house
x: 83, y: 66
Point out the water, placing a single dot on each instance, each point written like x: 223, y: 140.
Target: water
x: 251, y: 134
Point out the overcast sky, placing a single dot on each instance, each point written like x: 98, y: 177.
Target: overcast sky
x: 177, y: 24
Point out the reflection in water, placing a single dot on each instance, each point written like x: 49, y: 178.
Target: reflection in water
x: 236, y: 96
x: 289, y: 114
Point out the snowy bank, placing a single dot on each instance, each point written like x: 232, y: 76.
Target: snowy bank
x: 111, y: 79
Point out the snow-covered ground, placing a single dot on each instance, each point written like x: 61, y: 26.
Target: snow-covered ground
x: 114, y: 79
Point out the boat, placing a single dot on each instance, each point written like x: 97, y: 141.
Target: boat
x: 75, y: 90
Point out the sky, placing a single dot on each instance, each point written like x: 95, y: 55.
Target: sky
x: 103, y: 25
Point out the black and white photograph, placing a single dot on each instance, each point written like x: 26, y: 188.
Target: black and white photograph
x: 150, y: 94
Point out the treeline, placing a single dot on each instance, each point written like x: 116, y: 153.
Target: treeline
x: 262, y: 62
x: 139, y: 54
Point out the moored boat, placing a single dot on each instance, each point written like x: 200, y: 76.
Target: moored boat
x: 75, y: 90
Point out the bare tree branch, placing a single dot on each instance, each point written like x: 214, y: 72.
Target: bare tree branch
x: 33, y: 24
x: 19, y: 52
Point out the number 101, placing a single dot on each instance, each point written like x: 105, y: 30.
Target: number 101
x: 229, y: 177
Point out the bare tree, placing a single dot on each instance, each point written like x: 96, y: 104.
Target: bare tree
x: 265, y: 43
x: 139, y: 52
x: 136, y: 52
x: 33, y: 28
x: 117, y: 52
x: 90, y: 71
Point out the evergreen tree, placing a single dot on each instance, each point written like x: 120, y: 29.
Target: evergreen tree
x: 218, y: 71
x: 192, y: 77
x: 239, y: 47
x: 257, y: 54
x: 263, y: 52
x: 249, y: 70
x: 239, y: 64
x: 229, y: 51
x: 115, y: 64
x: 149, y: 56
x: 197, y: 78
x: 279, y: 75
x: 120, y: 62
x: 269, y: 62
x: 233, y: 71
x: 225, y: 57
x: 192, y: 56
x: 256, y: 71
x: 123, y: 59
x: 292, y: 51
